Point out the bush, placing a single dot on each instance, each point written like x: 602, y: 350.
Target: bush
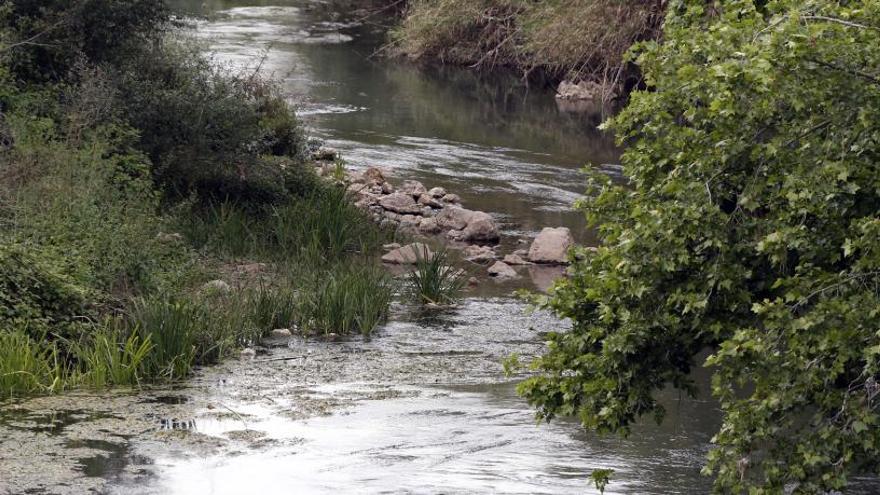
x: 207, y: 130
x: 750, y: 228
x: 35, y: 297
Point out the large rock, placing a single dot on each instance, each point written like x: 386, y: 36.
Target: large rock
x: 479, y: 254
x: 515, y: 259
x: 409, y: 254
x: 452, y: 199
x: 481, y: 228
x: 502, y: 270
x: 413, y: 187
x: 583, y: 90
x: 427, y: 200
x: 437, y: 192
x: 454, y: 218
x: 429, y: 226
x: 374, y: 175
x: 400, y: 203
x: 551, y: 246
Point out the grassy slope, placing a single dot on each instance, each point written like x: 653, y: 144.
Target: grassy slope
x: 577, y: 39
x: 133, y: 176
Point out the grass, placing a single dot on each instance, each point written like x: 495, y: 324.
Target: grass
x: 577, y: 39
x: 112, y: 359
x: 435, y: 281
x: 348, y: 298
x: 28, y: 366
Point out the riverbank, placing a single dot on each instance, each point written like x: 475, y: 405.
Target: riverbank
x: 581, y: 43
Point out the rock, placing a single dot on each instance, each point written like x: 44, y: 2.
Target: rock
x: 502, y: 270
x: 247, y: 353
x: 427, y: 211
x: 437, y: 192
x: 428, y: 200
x: 324, y: 154
x: 373, y: 175
x: 389, y: 247
x: 413, y: 187
x: 400, y: 203
x: 172, y: 237
x: 455, y: 235
x: 551, y: 246
x: 515, y: 259
x: 387, y: 188
x: 451, y: 199
x: 366, y: 201
x: 355, y: 177
x: 409, y: 223
x: 358, y: 188
x: 409, y: 254
x: 479, y: 254
x: 481, y: 228
x: 522, y: 253
x: 390, y: 215
x: 584, y: 90
x: 454, y: 218
x: 217, y: 286
x: 281, y: 333
x: 429, y: 226
x: 387, y: 224
x: 473, y: 281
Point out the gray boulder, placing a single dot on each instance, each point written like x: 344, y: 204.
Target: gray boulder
x: 551, y: 246
x: 400, y: 203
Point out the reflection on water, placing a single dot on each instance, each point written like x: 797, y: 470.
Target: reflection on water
x: 504, y: 147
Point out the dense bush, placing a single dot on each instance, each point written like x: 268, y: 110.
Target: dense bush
x: 113, y: 134
x: 750, y: 228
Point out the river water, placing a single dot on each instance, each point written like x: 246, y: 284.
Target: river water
x: 422, y: 407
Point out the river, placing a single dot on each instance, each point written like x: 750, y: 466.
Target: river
x: 423, y: 406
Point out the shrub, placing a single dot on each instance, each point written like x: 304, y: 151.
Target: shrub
x: 34, y: 296
x: 750, y: 228
x: 207, y: 130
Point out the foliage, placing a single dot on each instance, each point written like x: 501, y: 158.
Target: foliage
x: 579, y: 39
x: 109, y: 359
x: 28, y: 366
x: 207, y: 130
x: 750, y: 227
x: 601, y: 478
x: 348, y: 297
x: 36, y: 297
x: 434, y: 280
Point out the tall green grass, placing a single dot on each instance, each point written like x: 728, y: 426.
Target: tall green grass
x: 111, y: 359
x: 28, y: 366
x: 348, y: 298
x: 435, y: 281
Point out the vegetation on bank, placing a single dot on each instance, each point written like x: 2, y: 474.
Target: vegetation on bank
x: 750, y: 228
x: 133, y: 170
x: 563, y: 39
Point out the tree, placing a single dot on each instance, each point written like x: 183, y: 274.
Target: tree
x: 751, y: 228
